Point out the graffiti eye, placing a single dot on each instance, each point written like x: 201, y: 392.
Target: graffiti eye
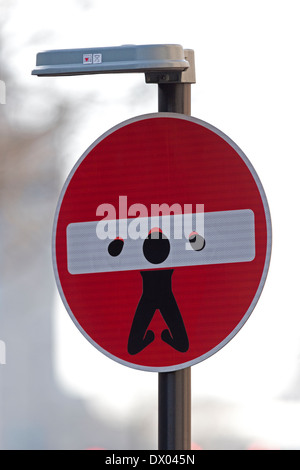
x: 197, y: 241
x: 115, y: 247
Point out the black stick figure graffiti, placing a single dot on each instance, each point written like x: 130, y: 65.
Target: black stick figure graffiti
x: 157, y: 295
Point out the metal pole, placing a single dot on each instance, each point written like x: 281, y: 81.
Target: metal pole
x: 174, y: 98
x: 174, y: 388
x: 174, y: 410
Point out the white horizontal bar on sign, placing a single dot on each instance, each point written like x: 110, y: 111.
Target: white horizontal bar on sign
x: 229, y: 238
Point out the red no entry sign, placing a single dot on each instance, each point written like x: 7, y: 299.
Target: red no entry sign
x: 161, y: 242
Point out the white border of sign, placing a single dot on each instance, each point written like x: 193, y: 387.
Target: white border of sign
x: 268, y: 252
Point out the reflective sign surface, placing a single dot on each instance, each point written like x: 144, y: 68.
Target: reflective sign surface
x: 161, y: 242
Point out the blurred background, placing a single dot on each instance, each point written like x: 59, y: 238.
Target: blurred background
x: 56, y: 390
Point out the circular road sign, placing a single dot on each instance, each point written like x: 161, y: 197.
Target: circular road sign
x: 161, y: 241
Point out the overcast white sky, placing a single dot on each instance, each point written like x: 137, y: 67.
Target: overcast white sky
x: 247, y: 69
